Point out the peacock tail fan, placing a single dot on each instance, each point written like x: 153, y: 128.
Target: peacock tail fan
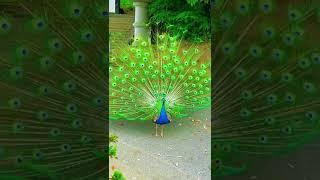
x: 266, y: 96
x: 145, y: 73
x: 53, y: 89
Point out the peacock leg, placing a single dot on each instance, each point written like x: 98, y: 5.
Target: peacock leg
x: 162, y: 130
x: 156, y: 130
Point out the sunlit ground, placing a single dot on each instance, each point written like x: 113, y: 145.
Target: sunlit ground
x: 183, y: 153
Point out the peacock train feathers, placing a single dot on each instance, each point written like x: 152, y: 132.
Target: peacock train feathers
x: 143, y: 74
x: 266, y: 67
x: 53, y: 89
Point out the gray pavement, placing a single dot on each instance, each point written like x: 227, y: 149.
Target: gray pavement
x: 183, y: 153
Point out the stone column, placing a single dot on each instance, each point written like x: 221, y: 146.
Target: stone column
x: 141, y: 18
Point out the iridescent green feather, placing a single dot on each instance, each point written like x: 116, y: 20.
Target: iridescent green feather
x: 52, y: 89
x: 266, y: 86
x: 144, y: 73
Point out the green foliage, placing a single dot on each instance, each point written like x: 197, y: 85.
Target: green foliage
x: 189, y: 18
x: 113, y: 138
x: 112, y: 151
x: 113, y: 148
x: 126, y: 4
x: 117, y: 175
x: 194, y: 2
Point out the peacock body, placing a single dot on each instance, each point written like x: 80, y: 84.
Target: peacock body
x: 266, y: 80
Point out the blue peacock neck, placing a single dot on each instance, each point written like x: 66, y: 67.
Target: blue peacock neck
x: 163, y: 106
x: 163, y: 118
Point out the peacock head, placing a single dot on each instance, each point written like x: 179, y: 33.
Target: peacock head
x: 160, y: 101
x: 163, y: 99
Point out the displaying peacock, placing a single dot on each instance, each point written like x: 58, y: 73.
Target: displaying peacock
x: 160, y: 82
x: 266, y: 65
x: 53, y: 89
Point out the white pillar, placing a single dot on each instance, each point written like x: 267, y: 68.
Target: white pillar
x: 141, y: 19
x: 112, y: 6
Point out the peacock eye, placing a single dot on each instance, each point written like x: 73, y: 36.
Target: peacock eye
x: 297, y: 33
x: 19, y: 159
x: 56, y: 45
x: 76, y: 11
x: 66, y: 147
x: 24, y: 51
x: 4, y: 26
x: 294, y: 14
x: 269, y: 32
x: 288, y: 39
x: 224, y: 21
x: 40, y: 24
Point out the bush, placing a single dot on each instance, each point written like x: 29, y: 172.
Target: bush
x: 126, y: 5
x: 113, y: 138
x: 190, y: 18
x: 112, y: 151
x: 194, y: 2
x: 117, y: 175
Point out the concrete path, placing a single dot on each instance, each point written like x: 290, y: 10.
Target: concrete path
x: 184, y: 152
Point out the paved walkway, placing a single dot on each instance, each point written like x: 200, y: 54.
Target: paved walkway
x: 183, y: 153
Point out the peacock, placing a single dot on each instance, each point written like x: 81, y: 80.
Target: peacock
x: 265, y: 85
x: 160, y: 81
x: 53, y: 89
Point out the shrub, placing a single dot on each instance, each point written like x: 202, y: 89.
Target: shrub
x: 187, y: 18
x: 112, y: 151
x: 126, y: 5
x: 117, y: 175
x: 113, y: 138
